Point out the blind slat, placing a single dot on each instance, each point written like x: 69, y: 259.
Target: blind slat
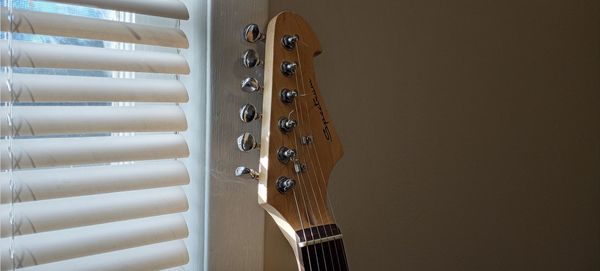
x: 45, y: 55
x: 82, y: 197
x: 51, y: 152
x: 56, y: 120
x: 44, y: 23
x: 151, y: 257
x: 85, y: 241
x: 57, y: 214
x: 71, y: 182
x: 164, y: 8
x: 54, y: 88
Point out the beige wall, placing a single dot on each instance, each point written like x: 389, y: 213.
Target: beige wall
x: 471, y: 132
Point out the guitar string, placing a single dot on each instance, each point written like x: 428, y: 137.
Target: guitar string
x: 300, y: 218
x: 307, y: 213
x: 304, y: 199
x: 300, y: 212
x: 321, y: 171
x: 331, y: 231
x: 302, y: 118
x: 330, y: 208
x: 282, y: 143
x: 300, y: 176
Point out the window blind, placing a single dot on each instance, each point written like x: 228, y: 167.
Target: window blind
x: 86, y: 184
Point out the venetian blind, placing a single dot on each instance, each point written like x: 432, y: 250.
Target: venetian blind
x: 86, y: 184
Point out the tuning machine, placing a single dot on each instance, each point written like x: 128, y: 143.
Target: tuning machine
x: 286, y: 125
x: 285, y: 184
x: 289, y: 41
x: 288, y: 95
x: 251, y: 59
x: 285, y: 154
x: 246, y: 172
x: 248, y: 113
x: 246, y: 142
x: 251, y: 85
x: 252, y: 33
x: 288, y: 68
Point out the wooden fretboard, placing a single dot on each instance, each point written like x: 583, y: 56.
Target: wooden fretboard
x: 322, y: 249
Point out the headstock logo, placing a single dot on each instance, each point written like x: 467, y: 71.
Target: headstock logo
x: 317, y: 103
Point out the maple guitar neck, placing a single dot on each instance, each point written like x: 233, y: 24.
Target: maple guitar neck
x: 299, y: 146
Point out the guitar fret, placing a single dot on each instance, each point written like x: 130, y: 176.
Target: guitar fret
x: 320, y: 240
x: 322, y: 248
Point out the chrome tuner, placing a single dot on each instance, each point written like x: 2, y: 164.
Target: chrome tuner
x: 252, y: 33
x: 286, y: 125
x: 251, y: 85
x: 251, y: 59
x: 246, y: 142
x: 285, y: 154
x: 288, y: 96
x: 248, y: 113
x: 246, y: 172
x: 289, y: 41
x: 288, y: 68
x: 285, y: 184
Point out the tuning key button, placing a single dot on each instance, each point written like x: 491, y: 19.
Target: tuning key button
x: 251, y: 85
x: 285, y: 184
x: 285, y: 154
x: 252, y: 33
x: 246, y: 172
x: 286, y: 125
x: 287, y: 95
x: 289, y: 41
x: 288, y: 68
x: 251, y: 59
x: 248, y: 113
x: 246, y: 142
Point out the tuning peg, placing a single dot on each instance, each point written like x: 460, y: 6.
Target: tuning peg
x: 286, y: 125
x: 285, y: 184
x: 288, y: 68
x: 288, y: 96
x: 246, y: 142
x: 289, y: 41
x: 252, y: 33
x: 244, y: 171
x: 285, y: 154
x: 251, y: 85
x: 248, y: 113
x: 251, y: 59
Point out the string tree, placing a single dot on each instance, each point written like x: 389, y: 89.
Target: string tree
x: 306, y: 140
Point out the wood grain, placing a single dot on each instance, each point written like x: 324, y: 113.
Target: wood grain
x: 306, y: 205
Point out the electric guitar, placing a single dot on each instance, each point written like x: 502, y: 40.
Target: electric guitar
x: 298, y: 146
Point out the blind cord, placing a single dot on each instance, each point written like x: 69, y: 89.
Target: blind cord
x: 10, y: 120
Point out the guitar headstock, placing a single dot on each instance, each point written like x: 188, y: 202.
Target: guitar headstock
x: 298, y: 140
x: 298, y: 146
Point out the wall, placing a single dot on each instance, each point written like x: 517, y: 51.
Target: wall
x: 471, y: 132
x: 234, y: 221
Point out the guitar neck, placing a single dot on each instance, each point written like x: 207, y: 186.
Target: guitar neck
x: 322, y: 248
